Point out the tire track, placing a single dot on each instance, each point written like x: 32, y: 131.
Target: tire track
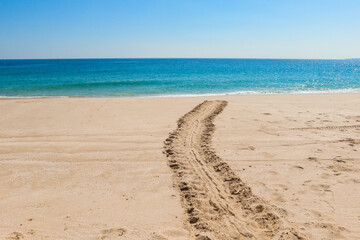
x: 217, y: 203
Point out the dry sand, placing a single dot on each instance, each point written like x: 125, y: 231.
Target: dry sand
x: 73, y: 168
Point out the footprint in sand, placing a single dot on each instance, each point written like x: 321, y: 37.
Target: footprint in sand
x: 112, y: 233
x: 315, y: 213
x: 15, y: 236
x: 298, y: 167
x: 312, y: 159
x: 322, y: 188
x: 334, y: 230
x: 158, y: 237
x: 251, y: 148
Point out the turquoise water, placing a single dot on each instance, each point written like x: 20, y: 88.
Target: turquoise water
x: 174, y: 77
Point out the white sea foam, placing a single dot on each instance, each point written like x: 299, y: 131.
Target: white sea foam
x: 267, y: 92
x: 235, y: 93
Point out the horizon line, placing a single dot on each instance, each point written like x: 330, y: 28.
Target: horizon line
x: 90, y: 58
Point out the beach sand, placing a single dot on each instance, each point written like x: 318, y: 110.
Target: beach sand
x: 94, y: 168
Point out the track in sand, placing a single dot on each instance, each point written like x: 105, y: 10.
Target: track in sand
x: 218, y: 204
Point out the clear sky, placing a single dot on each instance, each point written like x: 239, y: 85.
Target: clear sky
x: 180, y: 28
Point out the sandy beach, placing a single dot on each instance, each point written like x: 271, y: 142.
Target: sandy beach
x: 249, y: 167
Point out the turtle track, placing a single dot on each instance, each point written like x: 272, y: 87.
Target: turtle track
x: 218, y: 204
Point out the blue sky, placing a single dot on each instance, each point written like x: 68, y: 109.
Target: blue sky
x: 179, y: 28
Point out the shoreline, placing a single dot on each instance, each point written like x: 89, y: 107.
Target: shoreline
x: 226, y: 94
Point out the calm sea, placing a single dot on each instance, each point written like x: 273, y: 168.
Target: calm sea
x: 174, y: 77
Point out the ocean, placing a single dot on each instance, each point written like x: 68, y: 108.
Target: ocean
x: 176, y: 77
